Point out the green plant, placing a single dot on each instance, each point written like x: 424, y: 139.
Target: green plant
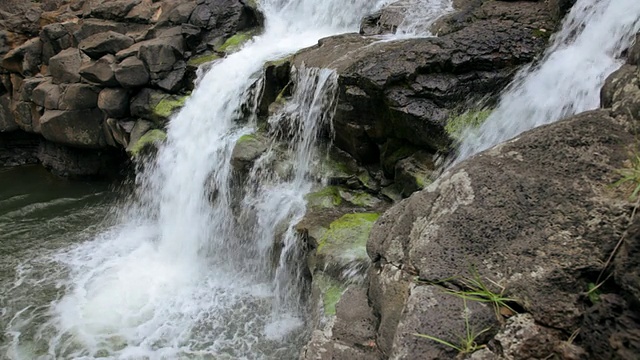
x: 477, y: 290
x: 631, y: 175
x: 467, y: 344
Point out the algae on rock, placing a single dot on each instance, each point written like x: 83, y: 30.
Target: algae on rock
x: 152, y: 137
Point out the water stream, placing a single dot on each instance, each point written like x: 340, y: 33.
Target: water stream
x: 186, y: 268
x: 569, y: 77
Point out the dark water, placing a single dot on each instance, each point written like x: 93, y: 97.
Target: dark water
x: 40, y: 215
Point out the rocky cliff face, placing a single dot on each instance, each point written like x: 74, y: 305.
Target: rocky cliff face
x: 534, y: 261
x: 86, y: 79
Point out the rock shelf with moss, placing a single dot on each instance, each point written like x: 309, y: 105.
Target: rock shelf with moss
x: 202, y: 59
x: 170, y: 104
x: 151, y: 138
x: 346, y: 239
x: 471, y: 119
x: 235, y: 42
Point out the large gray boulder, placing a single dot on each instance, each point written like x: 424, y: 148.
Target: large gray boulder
x: 101, y: 71
x: 65, y: 66
x: 532, y: 215
x: 132, y: 72
x: 114, y: 102
x: 79, y: 97
x: 76, y: 128
x: 25, y: 59
x: 408, y: 90
x: 57, y: 37
x: 102, y: 44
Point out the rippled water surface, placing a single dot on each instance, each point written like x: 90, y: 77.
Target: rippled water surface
x: 40, y: 215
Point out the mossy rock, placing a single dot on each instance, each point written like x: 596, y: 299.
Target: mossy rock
x: 346, y: 240
x: 335, y: 196
x: 151, y: 138
x: 329, y: 197
x: 196, y: 61
x: 235, y: 42
x: 169, y: 105
x: 247, y: 149
x: 415, y: 172
x: 330, y: 291
x: 457, y: 125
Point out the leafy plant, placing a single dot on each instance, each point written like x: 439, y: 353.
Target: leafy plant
x: 467, y: 344
x: 477, y: 290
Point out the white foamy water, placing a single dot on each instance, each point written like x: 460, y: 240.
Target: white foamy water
x: 192, y: 269
x: 569, y: 77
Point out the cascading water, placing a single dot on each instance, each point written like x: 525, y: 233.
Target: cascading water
x: 187, y: 270
x: 568, y: 78
x: 419, y: 15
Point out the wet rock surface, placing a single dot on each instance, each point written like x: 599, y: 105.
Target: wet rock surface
x: 70, y: 66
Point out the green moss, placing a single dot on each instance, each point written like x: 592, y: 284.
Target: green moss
x: 331, y: 292
x: 247, y: 138
x: 150, y: 138
x: 236, y: 41
x: 346, y: 239
x: 169, y: 105
x: 278, y: 62
x: 202, y: 59
x: 329, y: 197
x: 542, y: 34
x: 472, y: 119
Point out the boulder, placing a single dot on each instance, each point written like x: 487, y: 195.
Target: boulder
x: 77, y: 163
x: 76, y: 128
x: 248, y: 148
x: 540, y: 229
x: 55, y: 38
x: 79, y: 97
x: 155, y: 105
x: 162, y: 53
x: 26, y: 115
x: 101, y: 44
x: 28, y: 86
x: 7, y: 121
x: 65, y: 66
x: 145, y: 12
x: 25, y: 59
x: 109, y: 9
x: 634, y: 52
x: 132, y: 72
x: 47, y: 94
x: 101, y: 71
x: 114, y: 102
x: 415, y: 84
x: 90, y: 27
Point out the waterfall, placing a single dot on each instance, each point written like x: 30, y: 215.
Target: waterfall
x: 568, y: 78
x: 188, y: 270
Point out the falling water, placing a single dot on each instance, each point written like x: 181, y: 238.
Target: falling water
x: 568, y: 78
x: 419, y: 15
x: 186, y: 271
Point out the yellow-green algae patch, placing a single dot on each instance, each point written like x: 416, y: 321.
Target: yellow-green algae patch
x: 346, y: 239
x: 152, y: 137
x: 471, y: 119
x: 331, y: 292
x: 167, y: 106
x: 236, y: 41
x: 202, y: 59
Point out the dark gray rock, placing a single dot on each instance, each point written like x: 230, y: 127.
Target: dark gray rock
x: 414, y: 172
x: 27, y: 87
x: 65, y: 66
x: 90, y: 27
x: 114, y: 102
x: 132, y: 72
x: 47, y: 94
x: 110, y: 9
x: 57, y: 37
x: 162, y: 53
x: 7, y: 121
x: 25, y: 59
x: 26, y: 115
x: 77, y: 163
x: 512, y: 225
x: 102, y: 44
x: 247, y: 150
x: 634, y: 52
x: 101, y: 71
x: 414, y: 85
x: 76, y: 128
x: 79, y: 97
